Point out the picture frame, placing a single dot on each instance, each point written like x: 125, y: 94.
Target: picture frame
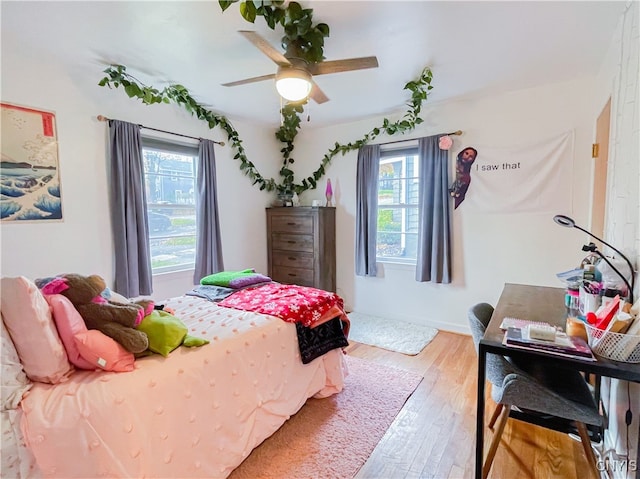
x: 29, y: 168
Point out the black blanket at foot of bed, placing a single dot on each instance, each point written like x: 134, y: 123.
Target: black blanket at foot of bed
x: 314, y: 342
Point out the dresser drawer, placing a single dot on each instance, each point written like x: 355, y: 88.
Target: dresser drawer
x: 290, y: 242
x: 292, y: 224
x: 300, y: 276
x: 293, y: 259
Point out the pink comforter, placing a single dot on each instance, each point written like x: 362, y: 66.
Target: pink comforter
x: 197, y: 413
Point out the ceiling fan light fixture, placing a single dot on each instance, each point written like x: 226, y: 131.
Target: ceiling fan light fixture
x: 293, y: 84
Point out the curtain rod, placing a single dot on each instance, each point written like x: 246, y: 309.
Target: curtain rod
x: 104, y: 118
x: 456, y: 133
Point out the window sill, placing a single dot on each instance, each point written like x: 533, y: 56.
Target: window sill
x: 160, y: 274
x: 399, y: 265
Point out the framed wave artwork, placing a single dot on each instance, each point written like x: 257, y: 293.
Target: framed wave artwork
x: 29, y: 171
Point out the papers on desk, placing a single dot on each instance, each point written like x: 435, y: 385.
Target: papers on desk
x: 563, y: 345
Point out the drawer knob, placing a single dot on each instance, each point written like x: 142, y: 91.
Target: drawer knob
x: 291, y: 224
x: 291, y: 258
x: 291, y: 242
x: 293, y: 274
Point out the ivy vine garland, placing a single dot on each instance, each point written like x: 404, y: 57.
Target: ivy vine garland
x: 308, y: 41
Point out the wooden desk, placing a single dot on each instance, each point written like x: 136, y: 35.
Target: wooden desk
x: 536, y: 303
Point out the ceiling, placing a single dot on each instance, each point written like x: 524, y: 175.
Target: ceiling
x: 473, y: 48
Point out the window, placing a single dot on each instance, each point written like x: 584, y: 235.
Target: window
x: 170, y: 172
x: 398, y: 214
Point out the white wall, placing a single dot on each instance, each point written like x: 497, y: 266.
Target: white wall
x: 489, y: 249
x: 621, y: 82
x: 619, y: 79
x: 82, y: 242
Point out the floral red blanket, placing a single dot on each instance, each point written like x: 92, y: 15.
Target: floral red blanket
x: 292, y: 303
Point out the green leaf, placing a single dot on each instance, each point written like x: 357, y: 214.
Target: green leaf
x: 224, y: 4
x: 294, y: 10
x: 304, y: 27
x: 132, y: 90
x: 323, y: 28
x: 279, y: 15
x: 271, y: 20
x: 315, y: 55
x: 290, y: 31
x: 248, y: 11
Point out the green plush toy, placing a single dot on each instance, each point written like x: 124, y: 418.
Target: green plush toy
x: 166, y: 333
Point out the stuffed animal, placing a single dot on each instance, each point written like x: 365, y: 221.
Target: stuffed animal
x: 116, y: 320
x: 166, y: 332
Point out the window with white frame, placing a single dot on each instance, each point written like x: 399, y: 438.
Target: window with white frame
x: 170, y: 173
x: 398, y: 211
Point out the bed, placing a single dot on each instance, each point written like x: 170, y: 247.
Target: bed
x: 197, y: 413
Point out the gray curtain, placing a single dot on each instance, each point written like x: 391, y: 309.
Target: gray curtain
x: 367, y: 209
x: 208, y: 242
x: 129, y: 211
x: 434, y: 236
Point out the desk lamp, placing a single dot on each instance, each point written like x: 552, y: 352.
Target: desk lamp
x: 567, y: 222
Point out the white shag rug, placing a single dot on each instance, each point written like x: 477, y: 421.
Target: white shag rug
x: 391, y: 334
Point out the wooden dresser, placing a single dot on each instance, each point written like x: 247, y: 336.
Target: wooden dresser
x: 301, y: 244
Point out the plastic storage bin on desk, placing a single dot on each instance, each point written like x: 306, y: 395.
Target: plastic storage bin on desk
x: 615, y: 346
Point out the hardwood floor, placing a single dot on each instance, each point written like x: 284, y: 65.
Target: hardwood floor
x: 433, y: 436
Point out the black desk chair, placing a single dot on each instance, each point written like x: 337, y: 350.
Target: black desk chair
x: 539, y: 391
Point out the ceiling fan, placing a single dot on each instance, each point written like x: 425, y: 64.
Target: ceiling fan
x: 297, y: 72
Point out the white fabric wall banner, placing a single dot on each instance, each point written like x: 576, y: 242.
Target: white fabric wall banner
x: 534, y: 178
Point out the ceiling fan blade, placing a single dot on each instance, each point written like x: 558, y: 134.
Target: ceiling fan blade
x: 250, y: 80
x: 317, y: 94
x: 337, y: 66
x: 265, y: 47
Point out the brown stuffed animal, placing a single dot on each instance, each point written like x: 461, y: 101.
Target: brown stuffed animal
x: 118, y: 321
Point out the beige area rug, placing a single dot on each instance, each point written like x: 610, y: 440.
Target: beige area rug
x: 391, y: 334
x: 332, y: 438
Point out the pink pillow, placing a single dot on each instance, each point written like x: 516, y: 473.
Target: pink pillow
x: 27, y: 316
x: 103, y: 352
x: 68, y: 322
x: 13, y: 380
